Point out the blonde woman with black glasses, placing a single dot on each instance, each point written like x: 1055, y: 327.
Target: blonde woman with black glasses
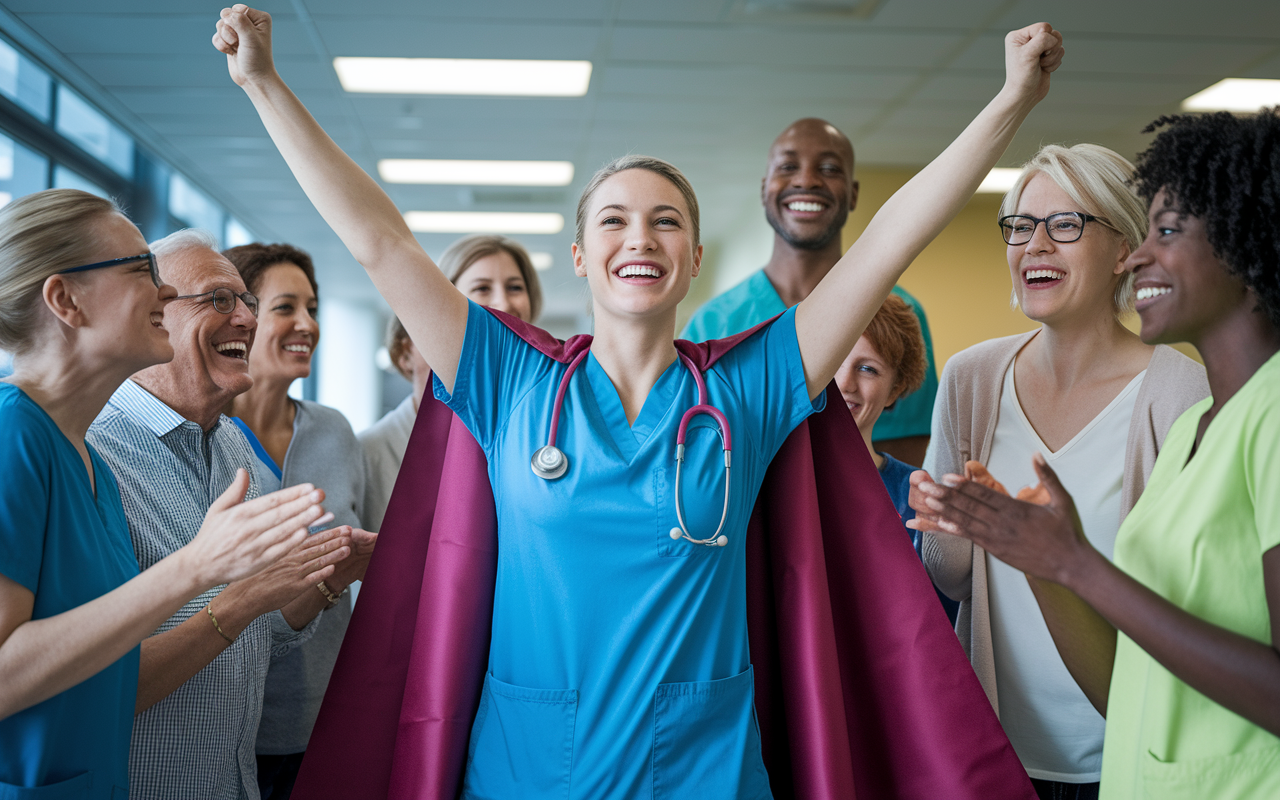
x: 1085, y: 392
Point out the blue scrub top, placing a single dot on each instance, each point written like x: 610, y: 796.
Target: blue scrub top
x: 68, y: 548
x: 618, y: 666
x: 897, y: 480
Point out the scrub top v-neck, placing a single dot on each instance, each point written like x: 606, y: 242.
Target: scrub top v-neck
x: 618, y: 664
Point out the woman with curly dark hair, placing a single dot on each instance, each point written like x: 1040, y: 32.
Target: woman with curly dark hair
x: 1194, y: 696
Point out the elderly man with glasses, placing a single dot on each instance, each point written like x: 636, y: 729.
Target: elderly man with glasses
x: 173, y: 452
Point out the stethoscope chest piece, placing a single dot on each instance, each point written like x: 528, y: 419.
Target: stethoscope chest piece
x: 549, y: 462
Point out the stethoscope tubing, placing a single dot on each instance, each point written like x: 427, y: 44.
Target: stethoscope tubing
x: 549, y: 462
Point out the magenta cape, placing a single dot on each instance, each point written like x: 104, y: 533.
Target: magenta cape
x: 862, y: 688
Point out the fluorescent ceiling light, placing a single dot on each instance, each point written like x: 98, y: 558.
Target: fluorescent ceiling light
x: 1235, y: 94
x: 999, y: 180
x: 476, y: 173
x: 464, y: 76
x: 483, y: 222
x: 541, y: 261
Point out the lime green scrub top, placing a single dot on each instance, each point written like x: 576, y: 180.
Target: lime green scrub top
x: 1196, y: 536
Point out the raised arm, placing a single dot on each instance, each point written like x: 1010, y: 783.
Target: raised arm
x: 830, y: 320
x: 355, y: 207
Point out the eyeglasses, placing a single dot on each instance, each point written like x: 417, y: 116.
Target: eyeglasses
x: 224, y: 300
x: 1062, y: 228
x: 150, y: 258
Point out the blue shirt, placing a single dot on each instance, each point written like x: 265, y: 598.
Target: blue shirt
x: 618, y: 666
x: 755, y: 300
x: 897, y: 480
x: 67, y: 547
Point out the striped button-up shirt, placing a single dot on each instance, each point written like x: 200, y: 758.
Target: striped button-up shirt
x: 199, y: 741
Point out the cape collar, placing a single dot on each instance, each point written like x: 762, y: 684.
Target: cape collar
x: 703, y: 355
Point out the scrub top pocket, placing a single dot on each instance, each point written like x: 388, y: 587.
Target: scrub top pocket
x: 69, y: 789
x: 521, y: 743
x: 706, y: 742
x: 1251, y: 773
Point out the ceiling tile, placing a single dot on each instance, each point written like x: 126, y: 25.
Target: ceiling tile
x: 812, y: 46
x: 154, y: 33
x: 372, y: 34
x: 1131, y: 56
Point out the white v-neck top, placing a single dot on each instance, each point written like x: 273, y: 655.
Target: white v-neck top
x: 1054, y: 729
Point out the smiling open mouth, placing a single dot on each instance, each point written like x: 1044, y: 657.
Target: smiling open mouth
x: 639, y: 271
x: 1149, y: 292
x: 238, y: 350
x: 805, y: 207
x: 1041, y: 277
x: 304, y: 349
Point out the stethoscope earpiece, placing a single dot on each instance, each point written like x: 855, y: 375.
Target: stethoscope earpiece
x: 549, y: 462
x: 720, y: 541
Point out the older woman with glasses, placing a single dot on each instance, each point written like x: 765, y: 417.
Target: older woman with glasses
x: 82, y: 308
x: 1073, y: 390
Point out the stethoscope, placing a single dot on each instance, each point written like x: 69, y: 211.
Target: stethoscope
x: 550, y: 462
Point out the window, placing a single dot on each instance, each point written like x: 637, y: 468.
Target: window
x: 23, y: 82
x: 192, y: 207
x: 64, y: 178
x: 237, y: 233
x: 22, y: 171
x: 93, y: 132
x: 51, y: 135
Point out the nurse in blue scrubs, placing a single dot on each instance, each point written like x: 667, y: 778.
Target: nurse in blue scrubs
x: 618, y: 662
x: 81, y: 309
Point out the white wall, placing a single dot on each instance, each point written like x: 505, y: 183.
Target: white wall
x: 348, y: 379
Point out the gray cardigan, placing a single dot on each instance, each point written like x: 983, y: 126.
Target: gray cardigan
x: 964, y: 424
x: 323, y: 451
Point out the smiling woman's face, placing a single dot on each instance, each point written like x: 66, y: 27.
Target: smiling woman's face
x: 495, y: 281
x: 866, y: 381
x: 124, y: 298
x: 288, y: 330
x: 1182, y: 288
x: 638, y: 254
x: 1057, y: 281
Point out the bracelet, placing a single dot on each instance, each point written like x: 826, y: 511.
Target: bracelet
x: 328, y: 594
x: 216, y: 626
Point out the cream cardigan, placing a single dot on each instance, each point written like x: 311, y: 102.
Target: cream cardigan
x: 964, y: 423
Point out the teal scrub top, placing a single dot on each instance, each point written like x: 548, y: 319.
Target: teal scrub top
x: 68, y: 548
x: 619, y: 664
x: 755, y: 300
